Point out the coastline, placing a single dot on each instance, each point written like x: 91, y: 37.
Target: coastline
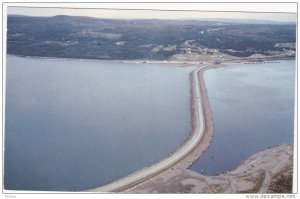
x: 181, y: 63
x: 268, y: 171
x: 142, y: 61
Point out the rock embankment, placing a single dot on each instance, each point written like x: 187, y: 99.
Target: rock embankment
x: 269, y: 171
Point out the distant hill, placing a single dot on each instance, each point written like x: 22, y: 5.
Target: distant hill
x: 87, y: 37
x: 245, y: 21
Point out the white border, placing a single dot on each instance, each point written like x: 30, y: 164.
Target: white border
x: 260, y: 7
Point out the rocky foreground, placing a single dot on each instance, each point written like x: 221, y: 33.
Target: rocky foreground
x: 269, y: 171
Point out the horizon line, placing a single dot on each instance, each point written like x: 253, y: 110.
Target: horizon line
x: 170, y: 19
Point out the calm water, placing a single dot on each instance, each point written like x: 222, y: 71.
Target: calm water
x: 253, y: 108
x: 77, y: 124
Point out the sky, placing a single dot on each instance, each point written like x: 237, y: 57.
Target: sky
x: 258, y: 11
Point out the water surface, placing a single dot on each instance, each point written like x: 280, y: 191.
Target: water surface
x: 77, y: 124
x: 253, y: 109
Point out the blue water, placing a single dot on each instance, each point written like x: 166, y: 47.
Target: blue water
x: 73, y: 125
x: 253, y: 109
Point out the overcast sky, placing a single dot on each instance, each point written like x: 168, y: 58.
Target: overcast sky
x: 93, y: 10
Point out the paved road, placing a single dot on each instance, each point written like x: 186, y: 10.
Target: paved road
x: 148, y: 172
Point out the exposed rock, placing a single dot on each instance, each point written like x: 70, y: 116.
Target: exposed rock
x: 267, y: 171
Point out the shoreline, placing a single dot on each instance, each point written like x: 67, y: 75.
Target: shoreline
x: 134, y: 61
x: 182, y: 63
x: 267, y: 171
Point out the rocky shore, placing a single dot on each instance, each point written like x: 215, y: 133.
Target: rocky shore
x: 269, y: 171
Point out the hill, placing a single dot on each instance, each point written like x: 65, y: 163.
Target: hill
x: 86, y: 37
